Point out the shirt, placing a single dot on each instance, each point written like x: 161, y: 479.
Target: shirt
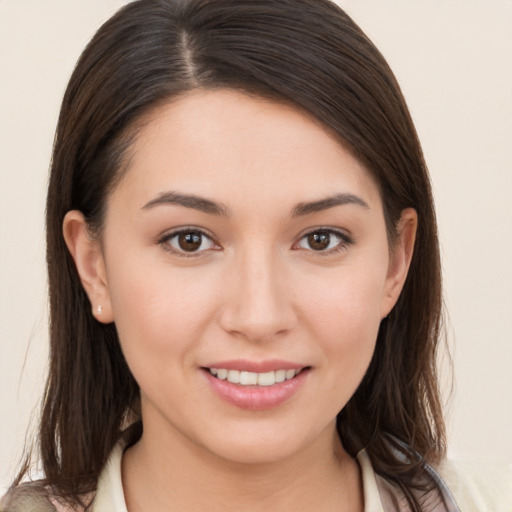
x: 472, y: 489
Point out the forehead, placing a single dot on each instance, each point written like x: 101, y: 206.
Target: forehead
x: 233, y: 146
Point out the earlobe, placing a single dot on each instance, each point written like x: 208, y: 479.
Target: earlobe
x: 88, y: 257
x: 400, y: 260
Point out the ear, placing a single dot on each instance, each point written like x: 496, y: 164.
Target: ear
x: 400, y: 259
x: 90, y: 264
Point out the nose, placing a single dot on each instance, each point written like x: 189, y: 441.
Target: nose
x: 258, y: 293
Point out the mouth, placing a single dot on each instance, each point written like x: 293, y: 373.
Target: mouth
x: 256, y: 385
x: 246, y: 378
x: 256, y: 390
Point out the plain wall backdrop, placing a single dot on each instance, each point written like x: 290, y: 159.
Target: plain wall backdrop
x: 453, y: 60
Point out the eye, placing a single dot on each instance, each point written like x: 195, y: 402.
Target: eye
x: 324, y: 240
x: 188, y: 241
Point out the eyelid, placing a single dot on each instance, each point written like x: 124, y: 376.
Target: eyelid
x: 168, y: 235
x: 346, y: 240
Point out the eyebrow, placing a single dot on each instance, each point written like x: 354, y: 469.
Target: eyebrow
x: 189, y: 201
x: 326, y: 203
x: 214, y: 208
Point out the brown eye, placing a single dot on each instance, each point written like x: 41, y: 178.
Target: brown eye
x: 327, y: 241
x: 319, y: 241
x: 189, y: 241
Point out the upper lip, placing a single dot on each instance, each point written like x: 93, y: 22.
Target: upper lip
x: 245, y: 365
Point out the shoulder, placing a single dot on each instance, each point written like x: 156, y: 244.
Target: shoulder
x: 478, y: 486
x: 33, y: 497
x: 27, y: 497
x: 458, y: 486
x: 108, y: 496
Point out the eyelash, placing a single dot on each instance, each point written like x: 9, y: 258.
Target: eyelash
x: 164, y: 241
x: 344, y: 241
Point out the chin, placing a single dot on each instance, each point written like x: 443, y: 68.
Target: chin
x: 268, y: 445
x: 263, y: 453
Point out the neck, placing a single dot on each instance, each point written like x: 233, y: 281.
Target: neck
x: 171, y: 473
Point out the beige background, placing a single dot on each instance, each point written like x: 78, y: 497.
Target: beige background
x: 454, y: 62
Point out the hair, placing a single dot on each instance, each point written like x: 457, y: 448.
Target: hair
x: 306, y: 53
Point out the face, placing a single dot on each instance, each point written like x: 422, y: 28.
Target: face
x: 245, y: 262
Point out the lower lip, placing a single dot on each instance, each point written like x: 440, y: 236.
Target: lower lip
x: 256, y: 398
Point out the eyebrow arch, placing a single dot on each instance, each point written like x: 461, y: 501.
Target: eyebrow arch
x: 326, y: 203
x: 189, y: 201
x: 213, y: 208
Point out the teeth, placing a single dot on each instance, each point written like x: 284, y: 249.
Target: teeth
x: 248, y: 378
x: 253, y: 379
x: 290, y: 374
x: 234, y: 376
x: 280, y: 375
x: 267, y: 379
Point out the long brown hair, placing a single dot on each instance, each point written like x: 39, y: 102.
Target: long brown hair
x: 307, y: 53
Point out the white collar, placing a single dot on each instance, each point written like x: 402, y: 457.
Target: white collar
x: 110, y: 495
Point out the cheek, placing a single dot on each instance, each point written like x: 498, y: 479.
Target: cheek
x: 345, y: 306
x: 159, y: 310
x: 343, y: 316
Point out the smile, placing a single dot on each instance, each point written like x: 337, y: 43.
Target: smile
x: 256, y: 386
x: 245, y: 378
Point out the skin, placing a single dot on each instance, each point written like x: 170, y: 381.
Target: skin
x: 255, y: 290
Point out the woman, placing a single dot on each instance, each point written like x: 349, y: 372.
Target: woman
x: 244, y: 271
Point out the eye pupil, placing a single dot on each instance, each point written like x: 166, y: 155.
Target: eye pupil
x: 190, y: 241
x: 319, y: 241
